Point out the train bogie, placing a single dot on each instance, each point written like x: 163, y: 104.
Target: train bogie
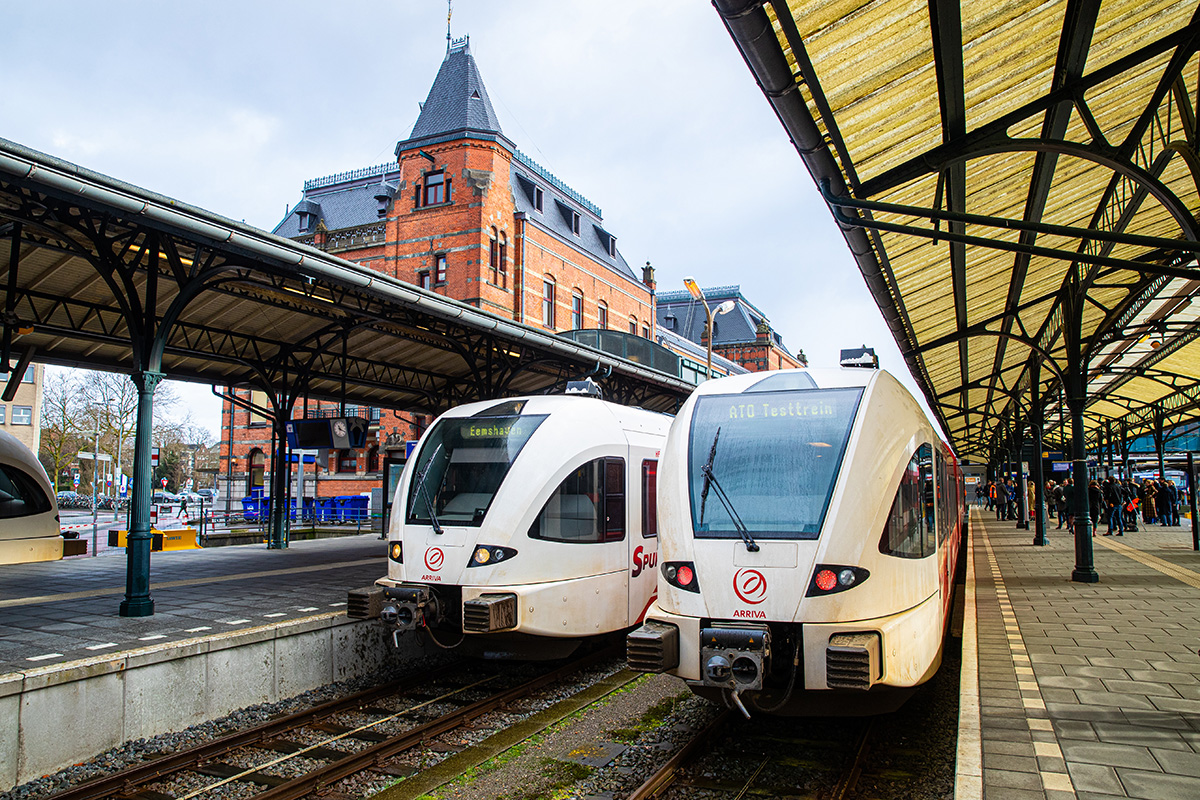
x: 809, y: 531
x: 521, y: 527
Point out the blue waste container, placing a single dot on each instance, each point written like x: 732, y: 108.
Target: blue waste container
x: 251, y: 508
x: 355, y: 509
x: 326, y: 509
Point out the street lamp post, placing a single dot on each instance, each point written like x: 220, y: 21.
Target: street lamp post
x: 694, y: 289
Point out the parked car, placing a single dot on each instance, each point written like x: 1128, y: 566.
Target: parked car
x: 163, y: 496
x: 209, y: 495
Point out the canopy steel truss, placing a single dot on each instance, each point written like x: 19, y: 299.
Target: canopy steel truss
x: 101, y: 274
x: 1033, y: 232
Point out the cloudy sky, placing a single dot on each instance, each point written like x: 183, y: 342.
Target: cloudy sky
x: 646, y: 109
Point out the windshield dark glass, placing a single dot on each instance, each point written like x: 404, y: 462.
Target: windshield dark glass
x: 776, y: 458
x: 462, y: 463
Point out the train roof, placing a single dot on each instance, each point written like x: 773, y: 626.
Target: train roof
x: 549, y: 404
x: 797, y: 379
x: 12, y: 451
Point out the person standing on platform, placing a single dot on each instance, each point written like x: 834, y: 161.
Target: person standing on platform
x: 1060, y: 501
x: 1148, y: 507
x: 991, y: 495
x: 1172, y: 503
x: 1030, y: 497
x: 1069, y: 503
x: 1114, y: 502
x: 1131, y: 506
x: 1095, y: 503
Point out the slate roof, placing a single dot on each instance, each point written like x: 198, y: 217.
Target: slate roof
x: 457, y: 102
x: 557, y: 208
x: 341, y: 205
x: 679, y: 313
x: 458, y: 105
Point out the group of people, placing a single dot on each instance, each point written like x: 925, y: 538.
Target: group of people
x: 1118, y: 501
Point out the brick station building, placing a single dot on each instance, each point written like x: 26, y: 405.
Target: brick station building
x: 463, y: 213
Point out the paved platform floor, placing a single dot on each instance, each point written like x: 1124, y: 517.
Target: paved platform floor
x: 1084, y: 690
x: 57, y: 611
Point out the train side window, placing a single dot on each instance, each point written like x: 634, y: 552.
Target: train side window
x: 911, y: 517
x: 20, y: 495
x: 573, y: 512
x: 649, y: 498
x: 614, y: 499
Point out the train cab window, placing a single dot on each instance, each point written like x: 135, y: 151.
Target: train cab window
x: 908, y: 532
x: 462, y: 463
x: 588, y: 507
x: 649, y: 498
x: 774, y: 458
x: 20, y: 495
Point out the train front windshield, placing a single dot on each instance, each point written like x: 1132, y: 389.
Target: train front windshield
x: 768, y: 458
x: 462, y: 463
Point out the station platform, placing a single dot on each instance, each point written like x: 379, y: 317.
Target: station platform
x: 1074, y: 689
x: 60, y: 611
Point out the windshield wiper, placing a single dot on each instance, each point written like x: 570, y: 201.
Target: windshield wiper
x: 710, y: 479
x: 706, y: 470
x: 437, y: 528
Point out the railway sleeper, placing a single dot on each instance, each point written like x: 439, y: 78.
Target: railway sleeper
x: 219, y: 769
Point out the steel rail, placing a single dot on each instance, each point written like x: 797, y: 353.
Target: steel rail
x: 665, y: 775
x: 118, y: 783
x: 374, y: 755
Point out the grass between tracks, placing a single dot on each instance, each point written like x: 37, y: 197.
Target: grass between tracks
x: 555, y: 777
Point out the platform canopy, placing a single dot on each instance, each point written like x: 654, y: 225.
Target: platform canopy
x: 1018, y: 182
x: 98, y: 273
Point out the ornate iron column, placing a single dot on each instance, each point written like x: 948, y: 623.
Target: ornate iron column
x: 137, y: 602
x: 1037, y: 420
x: 1076, y: 389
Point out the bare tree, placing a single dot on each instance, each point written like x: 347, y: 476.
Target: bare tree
x: 78, y: 404
x: 61, y: 433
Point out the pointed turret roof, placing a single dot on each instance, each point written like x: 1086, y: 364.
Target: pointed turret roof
x: 457, y: 104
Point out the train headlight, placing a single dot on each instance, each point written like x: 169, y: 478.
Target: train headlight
x: 396, y: 552
x: 490, y: 554
x: 831, y: 579
x: 681, y: 575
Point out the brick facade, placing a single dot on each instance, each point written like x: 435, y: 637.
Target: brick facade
x: 464, y: 215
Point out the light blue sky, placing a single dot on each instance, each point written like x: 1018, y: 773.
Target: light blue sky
x: 647, y: 109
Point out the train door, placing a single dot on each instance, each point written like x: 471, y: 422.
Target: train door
x: 643, y: 538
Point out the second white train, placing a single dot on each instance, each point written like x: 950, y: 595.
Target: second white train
x: 810, y: 526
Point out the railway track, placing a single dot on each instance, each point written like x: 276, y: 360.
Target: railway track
x: 365, y: 732
x: 903, y: 754
x: 723, y: 758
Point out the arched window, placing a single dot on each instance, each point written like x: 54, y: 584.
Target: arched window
x: 373, y: 459
x: 347, y: 461
x: 258, y: 468
x: 602, y: 315
x: 633, y: 325
x: 576, y: 310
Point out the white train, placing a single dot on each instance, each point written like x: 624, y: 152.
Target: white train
x: 522, y: 526
x: 29, y: 526
x: 810, y: 527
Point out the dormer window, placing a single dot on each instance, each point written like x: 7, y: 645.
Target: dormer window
x: 539, y: 199
x: 612, y: 246
x: 575, y: 222
x: 305, y: 221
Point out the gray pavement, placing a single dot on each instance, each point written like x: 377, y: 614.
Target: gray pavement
x: 1088, y: 690
x: 58, y: 611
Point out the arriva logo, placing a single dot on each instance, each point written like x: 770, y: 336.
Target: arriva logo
x: 434, y: 558
x: 750, y: 586
x: 643, y: 561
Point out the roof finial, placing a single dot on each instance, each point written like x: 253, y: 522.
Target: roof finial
x: 449, y: 13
